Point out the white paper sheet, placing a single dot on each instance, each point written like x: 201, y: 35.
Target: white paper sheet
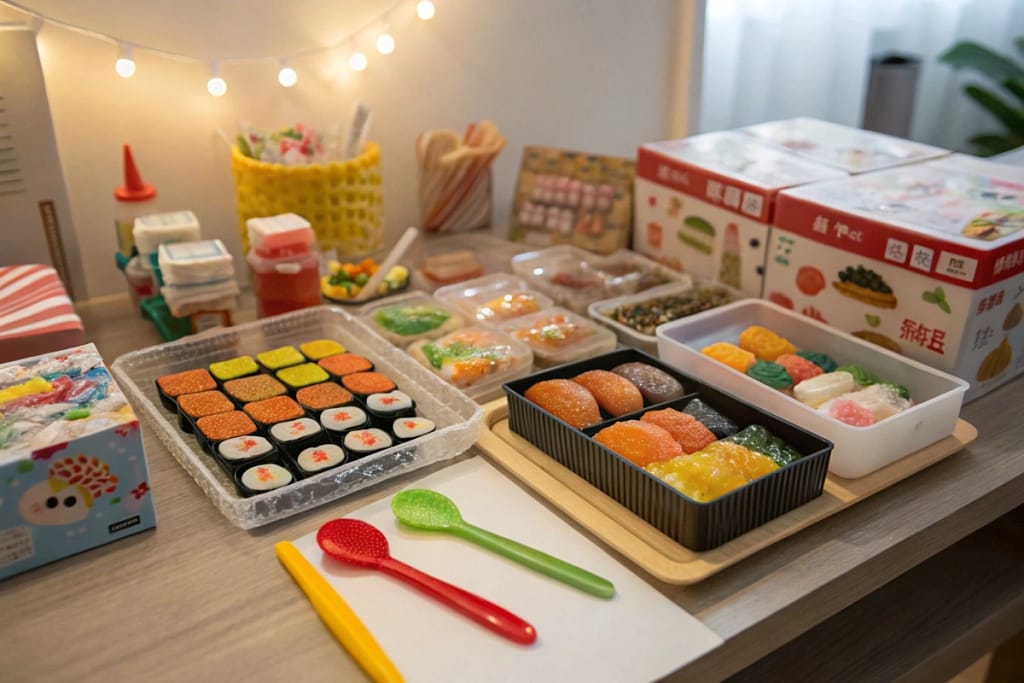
x: 638, y: 635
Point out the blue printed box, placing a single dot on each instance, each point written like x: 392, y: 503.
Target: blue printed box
x: 73, y: 473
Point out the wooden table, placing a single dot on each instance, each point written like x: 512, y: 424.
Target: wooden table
x: 917, y: 581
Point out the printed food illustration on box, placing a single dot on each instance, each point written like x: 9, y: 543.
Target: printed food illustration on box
x: 565, y: 197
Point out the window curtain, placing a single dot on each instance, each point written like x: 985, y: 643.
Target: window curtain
x: 776, y: 59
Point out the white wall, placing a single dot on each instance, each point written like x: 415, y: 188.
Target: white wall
x: 594, y: 75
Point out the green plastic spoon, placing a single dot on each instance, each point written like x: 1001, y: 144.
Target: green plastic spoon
x: 432, y: 511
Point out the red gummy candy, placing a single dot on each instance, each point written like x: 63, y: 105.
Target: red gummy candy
x: 798, y: 368
x: 687, y: 430
x: 851, y: 412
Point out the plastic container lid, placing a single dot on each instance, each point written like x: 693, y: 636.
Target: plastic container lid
x: 133, y: 190
x: 557, y: 336
x: 406, y: 318
x: 152, y: 230
x: 494, y: 299
x: 280, y: 235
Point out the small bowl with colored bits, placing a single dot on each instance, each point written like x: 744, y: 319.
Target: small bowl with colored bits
x: 170, y: 387
x: 318, y: 349
x: 281, y: 357
x: 298, y: 376
x: 319, y: 397
x: 254, y: 388
x: 213, y: 429
x: 233, y: 368
x: 191, y: 407
x: 273, y: 410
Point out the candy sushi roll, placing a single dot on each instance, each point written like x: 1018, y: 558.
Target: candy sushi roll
x: 319, y: 458
x: 339, y: 421
x: 261, y: 478
x: 299, y: 376
x: 320, y: 397
x: 318, y: 349
x: 385, y: 407
x: 244, y: 450
x: 408, y: 428
x: 254, y: 388
x: 191, y: 407
x: 170, y: 387
x: 362, y: 384
x: 281, y: 357
x: 213, y: 429
x: 273, y: 410
x: 233, y: 368
x: 363, y: 442
x: 295, y: 435
x: 345, y: 364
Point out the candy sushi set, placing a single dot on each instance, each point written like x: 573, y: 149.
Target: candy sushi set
x: 275, y: 417
x: 697, y: 464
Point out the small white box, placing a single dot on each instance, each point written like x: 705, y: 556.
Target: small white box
x: 857, y: 451
x: 155, y: 229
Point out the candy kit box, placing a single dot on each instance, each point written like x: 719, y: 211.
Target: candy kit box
x: 924, y: 260
x: 704, y: 204
x: 73, y: 474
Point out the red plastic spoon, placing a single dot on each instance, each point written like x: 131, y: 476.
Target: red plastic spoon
x: 355, y: 542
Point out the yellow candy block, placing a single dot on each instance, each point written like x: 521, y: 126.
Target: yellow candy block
x: 713, y: 471
x: 730, y: 354
x: 764, y: 343
x: 36, y: 385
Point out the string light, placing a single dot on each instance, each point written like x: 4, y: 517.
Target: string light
x: 287, y: 76
x: 216, y: 86
x: 125, y: 65
x: 425, y: 10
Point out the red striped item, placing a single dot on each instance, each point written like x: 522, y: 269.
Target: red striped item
x: 36, y: 315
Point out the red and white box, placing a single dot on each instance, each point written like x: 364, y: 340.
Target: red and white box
x: 36, y: 315
x: 704, y: 204
x: 926, y: 260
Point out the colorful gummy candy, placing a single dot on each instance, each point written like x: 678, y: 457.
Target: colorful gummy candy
x: 850, y: 412
x: 798, y: 367
x: 281, y: 357
x: 319, y: 349
x: 642, y: 443
x: 730, y: 354
x: 570, y: 402
x: 205, y: 403
x: 759, y: 439
x: 254, y: 388
x: 225, y: 425
x: 688, y: 431
x: 773, y: 374
x: 764, y: 343
x: 272, y: 410
x: 343, y: 364
x: 719, y: 424
x: 324, y: 395
x: 713, y: 471
x: 655, y: 385
x: 233, y: 368
x: 188, y: 382
x: 614, y: 393
x: 817, y: 390
x: 823, y: 361
x: 298, y: 376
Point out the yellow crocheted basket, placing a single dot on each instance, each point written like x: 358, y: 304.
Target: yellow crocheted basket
x: 341, y: 199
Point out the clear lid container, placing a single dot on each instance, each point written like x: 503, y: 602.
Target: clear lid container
x: 556, y: 336
x: 575, y: 278
x: 475, y: 359
x: 152, y: 230
x: 405, y: 318
x: 494, y: 299
x: 441, y: 260
x: 195, y: 262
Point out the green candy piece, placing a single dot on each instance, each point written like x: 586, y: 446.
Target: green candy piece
x: 759, y: 439
x: 900, y: 389
x: 863, y: 377
x: 823, y: 361
x: 77, y: 414
x: 772, y: 374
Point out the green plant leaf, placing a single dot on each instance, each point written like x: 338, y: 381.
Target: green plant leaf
x: 1019, y: 42
x: 945, y: 306
x: 970, y: 55
x: 1012, y: 118
x: 989, y: 144
x: 1016, y: 87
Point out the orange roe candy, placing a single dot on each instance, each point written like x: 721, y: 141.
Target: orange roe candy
x: 642, y: 443
x: 730, y: 354
x: 566, y: 400
x: 616, y: 394
x: 798, y: 368
x: 688, y: 431
x: 764, y: 343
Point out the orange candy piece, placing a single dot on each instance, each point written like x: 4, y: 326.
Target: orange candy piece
x: 566, y: 400
x: 730, y: 354
x: 688, y: 431
x: 764, y: 343
x: 616, y: 394
x: 642, y: 443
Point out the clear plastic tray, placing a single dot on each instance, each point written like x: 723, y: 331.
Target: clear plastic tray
x: 494, y: 254
x: 858, y: 450
x: 412, y: 299
x: 473, y: 296
x: 588, y: 339
x: 575, y: 278
x: 457, y: 417
x: 630, y: 336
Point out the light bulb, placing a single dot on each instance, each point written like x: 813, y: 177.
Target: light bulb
x: 357, y: 61
x: 425, y: 9
x: 385, y: 44
x: 217, y: 86
x: 125, y: 65
x: 287, y: 76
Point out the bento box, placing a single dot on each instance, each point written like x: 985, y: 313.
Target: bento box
x: 557, y: 335
x: 634, y: 318
x: 457, y: 419
x: 935, y: 396
x: 575, y: 278
x: 493, y: 299
x: 698, y: 525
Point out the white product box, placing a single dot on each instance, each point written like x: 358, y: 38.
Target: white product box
x: 704, y: 204
x: 925, y: 260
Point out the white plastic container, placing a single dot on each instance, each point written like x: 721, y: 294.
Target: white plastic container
x: 556, y: 336
x: 185, y: 300
x: 493, y: 299
x: 858, y: 451
x: 155, y: 229
x: 185, y: 263
x: 605, y: 311
x: 280, y: 235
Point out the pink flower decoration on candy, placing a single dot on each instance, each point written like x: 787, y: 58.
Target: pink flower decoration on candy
x: 264, y: 474
x: 296, y: 428
x: 247, y: 445
x: 319, y: 456
x: 341, y: 416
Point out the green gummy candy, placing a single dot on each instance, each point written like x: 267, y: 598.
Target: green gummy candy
x: 772, y: 374
x: 823, y: 361
x: 861, y: 376
x: 760, y: 440
x: 77, y: 414
x: 900, y: 389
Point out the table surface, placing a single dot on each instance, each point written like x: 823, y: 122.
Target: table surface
x: 172, y: 603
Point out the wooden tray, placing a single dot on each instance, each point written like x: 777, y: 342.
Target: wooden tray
x: 649, y: 548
